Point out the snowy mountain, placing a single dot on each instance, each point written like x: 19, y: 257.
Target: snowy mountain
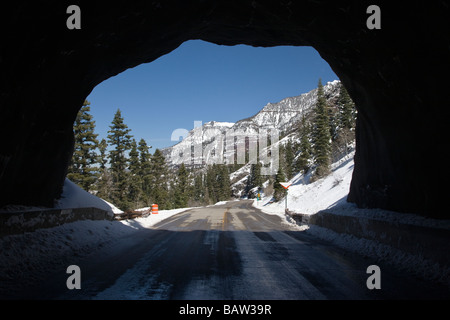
x: 284, y: 114
x: 217, y: 142
x: 193, y: 149
x: 238, y: 178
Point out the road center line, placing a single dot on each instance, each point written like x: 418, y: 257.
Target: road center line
x: 224, y: 220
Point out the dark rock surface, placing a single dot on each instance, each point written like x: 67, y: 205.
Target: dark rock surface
x: 396, y: 75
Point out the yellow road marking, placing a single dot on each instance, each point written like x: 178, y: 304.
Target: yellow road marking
x: 224, y: 220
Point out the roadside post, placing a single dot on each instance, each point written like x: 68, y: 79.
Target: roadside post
x: 286, y: 186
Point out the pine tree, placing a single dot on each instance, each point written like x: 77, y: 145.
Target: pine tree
x: 278, y: 190
x: 346, y: 123
x: 104, y: 182
x: 304, y: 159
x: 282, y: 156
x: 347, y: 113
x: 135, y: 179
x: 211, y: 183
x: 333, y: 122
x: 321, y: 134
x: 145, y: 171
x: 159, y: 182
x: 218, y: 187
x: 182, y: 188
x: 289, y: 159
x: 82, y: 170
x: 224, y: 183
x: 134, y: 163
x: 199, y: 192
x: 257, y: 177
x: 102, y: 158
x: 206, y: 197
x: 120, y: 139
x: 254, y: 179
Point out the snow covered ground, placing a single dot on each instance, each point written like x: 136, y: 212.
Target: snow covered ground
x: 309, y: 198
x: 330, y: 194
x: 34, y: 250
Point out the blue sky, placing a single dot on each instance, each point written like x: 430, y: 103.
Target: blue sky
x: 201, y: 81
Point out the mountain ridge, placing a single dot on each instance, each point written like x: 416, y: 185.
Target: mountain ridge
x: 207, y: 144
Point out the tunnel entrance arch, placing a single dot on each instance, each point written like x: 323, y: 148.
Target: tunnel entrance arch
x: 395, y: 75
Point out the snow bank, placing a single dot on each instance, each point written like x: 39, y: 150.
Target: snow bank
x: 45, y: 250
x: 220, y: 203
x: 75, y: 197
x: 152, y: 219
x: 329, y: 194
x: 72, y: 197
x: 58, y: 245
x: 413, y: 263
x: 309, y: 198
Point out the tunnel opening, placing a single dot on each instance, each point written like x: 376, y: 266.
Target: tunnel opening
x: 235, y: 91
x: 387, y: 73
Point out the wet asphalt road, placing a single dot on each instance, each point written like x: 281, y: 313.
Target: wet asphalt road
x: 231, y: 251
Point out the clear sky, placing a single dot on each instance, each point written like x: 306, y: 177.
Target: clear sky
x: 201, y: 81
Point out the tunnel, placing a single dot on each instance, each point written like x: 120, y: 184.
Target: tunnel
x: 396, y: 74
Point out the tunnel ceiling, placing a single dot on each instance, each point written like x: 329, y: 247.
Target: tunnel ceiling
x: 396, y: 75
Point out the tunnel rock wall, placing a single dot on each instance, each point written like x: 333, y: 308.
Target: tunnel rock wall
x: 396, y: 75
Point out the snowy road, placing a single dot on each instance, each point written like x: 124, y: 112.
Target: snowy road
x: 230, y: 251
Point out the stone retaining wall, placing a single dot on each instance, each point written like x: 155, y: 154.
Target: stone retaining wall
x: 21, y: 222
x: 428, y: 242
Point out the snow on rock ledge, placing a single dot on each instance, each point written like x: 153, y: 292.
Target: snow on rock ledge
x: 75, y: 197
x: 75, y: 205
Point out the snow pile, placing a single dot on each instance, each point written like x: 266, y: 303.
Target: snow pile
x: 75, y: 197
x: 72, y: 197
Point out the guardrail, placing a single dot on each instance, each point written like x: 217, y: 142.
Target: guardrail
x: 131, y: 214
